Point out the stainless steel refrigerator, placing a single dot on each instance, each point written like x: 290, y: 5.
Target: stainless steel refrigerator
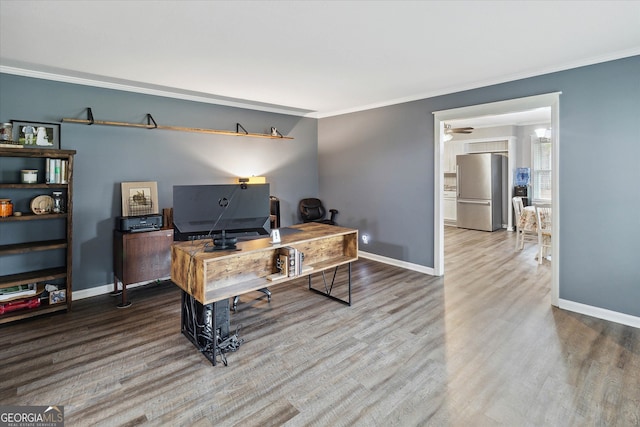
x: 479, y: 187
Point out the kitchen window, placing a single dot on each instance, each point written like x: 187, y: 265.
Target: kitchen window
x: 541, y: 169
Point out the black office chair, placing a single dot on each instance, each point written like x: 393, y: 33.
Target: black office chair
x: 312, y: 210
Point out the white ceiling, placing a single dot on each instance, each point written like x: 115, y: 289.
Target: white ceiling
x: 315, y: 58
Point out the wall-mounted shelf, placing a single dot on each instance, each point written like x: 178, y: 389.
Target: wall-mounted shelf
x: 151, y: 124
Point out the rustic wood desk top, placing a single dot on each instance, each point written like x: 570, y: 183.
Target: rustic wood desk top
x: 214, y: 276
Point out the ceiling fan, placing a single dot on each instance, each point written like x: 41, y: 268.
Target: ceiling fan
x: 449, y: 131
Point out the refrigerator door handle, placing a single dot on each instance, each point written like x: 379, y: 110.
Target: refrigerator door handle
x: 457, y: 180
x: 475, y: 202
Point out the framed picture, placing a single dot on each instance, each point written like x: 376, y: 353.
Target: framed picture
x: 139, y: 198
x: 36, y: 134
x: 56, y: 297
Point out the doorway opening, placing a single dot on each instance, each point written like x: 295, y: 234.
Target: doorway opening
x: 551, y: 101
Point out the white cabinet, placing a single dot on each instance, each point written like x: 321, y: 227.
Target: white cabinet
x: 448, y: 153
x: 458, y: 148
x: 487, y: 147
x: 449, y: 205
x: 451, y: 150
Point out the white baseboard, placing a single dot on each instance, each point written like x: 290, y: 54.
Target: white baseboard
x: 600, y: 313
x: 108, y: 288
x: 397, y: 263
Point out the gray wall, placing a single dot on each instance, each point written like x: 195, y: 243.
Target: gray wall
x: 376, y: 167
x: 107, y: 156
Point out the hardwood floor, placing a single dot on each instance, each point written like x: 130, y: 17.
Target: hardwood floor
x: 480, y: 347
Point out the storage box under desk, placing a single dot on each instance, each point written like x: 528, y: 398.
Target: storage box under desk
x: 214, y: 276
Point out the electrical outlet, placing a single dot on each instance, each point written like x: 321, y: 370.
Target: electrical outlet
x: 365, y: 239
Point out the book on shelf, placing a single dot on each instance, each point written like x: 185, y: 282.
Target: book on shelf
x: 17, y: 291
x: 299, y: 259
x: 283, y: 264
x: 56, y: 171
x: 57, y: 163
x: 290, y: 252
x: 296, y: 260
x: 290, y: 263
x: 63, y: 171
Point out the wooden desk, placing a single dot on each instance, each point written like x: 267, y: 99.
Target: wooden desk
x: 140, y: 257
x: 211, y: 277
x: 214, y: 276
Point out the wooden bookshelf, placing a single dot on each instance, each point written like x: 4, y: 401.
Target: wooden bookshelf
x: 12, y: 160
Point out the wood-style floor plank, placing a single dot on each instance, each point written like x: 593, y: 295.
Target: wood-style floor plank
x: 481, y: 346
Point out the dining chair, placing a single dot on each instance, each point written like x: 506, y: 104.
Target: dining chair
x: 522, y: 233
x: 543, y: 221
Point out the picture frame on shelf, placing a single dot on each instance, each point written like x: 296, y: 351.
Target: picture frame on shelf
x: 139, y: 198
x: 36, y: 134
x: 57, y: 297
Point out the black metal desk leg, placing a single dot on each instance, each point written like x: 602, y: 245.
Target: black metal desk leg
x: 328, y: 289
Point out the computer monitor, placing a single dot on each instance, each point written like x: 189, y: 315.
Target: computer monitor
x: 210, y: 210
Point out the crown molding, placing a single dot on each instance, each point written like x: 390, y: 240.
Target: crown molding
x: 151, y: 90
